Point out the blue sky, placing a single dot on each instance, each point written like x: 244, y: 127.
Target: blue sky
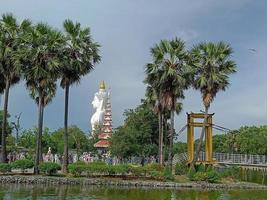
x: 126, y: 30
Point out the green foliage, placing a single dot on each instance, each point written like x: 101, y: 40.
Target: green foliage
x: 76, y: 169
x: 98, y: 169
x: 5, y: 167
x: 138, y: 135
x: 201, y: 173
x: 181, y: 169
x: 191, y: 173
x: 233, y: 172
x: 77, y: 139
x: 179, y: 147
x: 22, y: 164
x: 49, y: 168
x: 168, y: 174
x: 213, y: 176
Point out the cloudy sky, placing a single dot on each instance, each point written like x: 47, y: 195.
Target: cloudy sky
x: 126, y: 30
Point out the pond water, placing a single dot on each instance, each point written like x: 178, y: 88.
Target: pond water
x: 41, y: 192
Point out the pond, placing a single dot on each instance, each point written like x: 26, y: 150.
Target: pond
x: 41, y: 192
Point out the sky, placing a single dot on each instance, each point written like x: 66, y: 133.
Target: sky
x: 127, y: 29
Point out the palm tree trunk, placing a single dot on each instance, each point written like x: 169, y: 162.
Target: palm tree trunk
x: 201, y: 137
x: 4, y: 124
x: 161, y: 139
x: 171, y: 140
x: 160, y: 120
x: 41, y: 143
x: 39, y: 134
x: 66, y: 153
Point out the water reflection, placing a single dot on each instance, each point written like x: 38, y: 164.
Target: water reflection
x: 41, y: 192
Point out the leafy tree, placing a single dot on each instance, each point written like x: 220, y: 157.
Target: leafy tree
x: 77, y: 140
x: 212, y: 66
x: 79, y: 56
x: 28, y: 139
x: 137, y: 137
x: 179, y: 147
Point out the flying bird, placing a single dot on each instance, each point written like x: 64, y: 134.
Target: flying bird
x: 254, y: 50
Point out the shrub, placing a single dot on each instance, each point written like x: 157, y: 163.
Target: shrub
x: 79, y: 163
x: 200, y: 176
x: 5, y: 167
x: 181, y: 168
x: 157, y: 175
x: 49, y: 168
x: 118, y: 169
x: 233, y: 172
x: 137, y: 170
x: 191, y: 173
x: 22, y: 164
x: 76, y: 169
x: 213, y: 176
x: 168, y: 174
x: 154, y: 167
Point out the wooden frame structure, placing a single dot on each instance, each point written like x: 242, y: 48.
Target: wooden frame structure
x: 191, y: 124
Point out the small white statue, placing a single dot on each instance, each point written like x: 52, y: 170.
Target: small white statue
x: 99, y: 104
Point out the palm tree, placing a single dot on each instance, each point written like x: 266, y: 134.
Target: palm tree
x: 48, y: 95
x: 40, y: 59
x: 80, y: 55
x: 10, y: 72
x: 212, y: 66
x: 152, y: 99
x: 170, y: 66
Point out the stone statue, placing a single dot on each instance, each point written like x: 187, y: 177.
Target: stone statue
x: 99, y: 104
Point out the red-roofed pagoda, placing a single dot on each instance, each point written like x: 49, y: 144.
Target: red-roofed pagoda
x: 106, y: 129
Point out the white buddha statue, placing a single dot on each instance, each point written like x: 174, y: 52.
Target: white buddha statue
x: 99, y: 104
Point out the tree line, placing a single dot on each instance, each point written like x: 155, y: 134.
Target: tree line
x: 205, y: 67
x: 41, y: 55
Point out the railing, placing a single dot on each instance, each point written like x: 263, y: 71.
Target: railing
x: 240, y: 158
x: 229, y: 158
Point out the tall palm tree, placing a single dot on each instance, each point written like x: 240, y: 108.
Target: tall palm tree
x: 48, y: 95
x: 80, y: 56
x: 40, y: 59
x: 170, y: 65
x: 152, y: 99
x: 212, y: 66
x: 10, y: 72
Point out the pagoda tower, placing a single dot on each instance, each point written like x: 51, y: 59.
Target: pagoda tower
x: 106, y: 129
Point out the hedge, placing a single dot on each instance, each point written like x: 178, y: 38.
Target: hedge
x: 81, y: 169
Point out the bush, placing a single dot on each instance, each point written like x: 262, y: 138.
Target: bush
x: 200, y: 176
x: 191, y: 173
x: 49, y: 168
x: 213, y: 176
x: 181, y: 168
x: 76, y: 169
x: 22, y: 164
x: 154, y: 167
x: 233, y: 172
x: 168, y: 174
x: 5, y: 167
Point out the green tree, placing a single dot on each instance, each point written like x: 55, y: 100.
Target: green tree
x: 172, y: 75
x: 28, y: 139
x: 80, y: 55
x: 77, y: 140
x: 212, y: 66
x: 40, y: 58
x: 137, y: 136
x: 10, y: 72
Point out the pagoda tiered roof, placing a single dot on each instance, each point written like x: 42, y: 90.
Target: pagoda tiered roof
x: 106, y: 130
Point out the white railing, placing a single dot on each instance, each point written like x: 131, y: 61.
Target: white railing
x: 229, y: 158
